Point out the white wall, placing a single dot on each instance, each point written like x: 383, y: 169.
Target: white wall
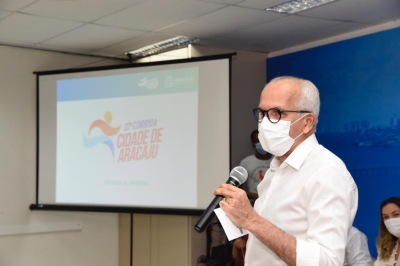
x: 97, y: 242
x: 248, y: 80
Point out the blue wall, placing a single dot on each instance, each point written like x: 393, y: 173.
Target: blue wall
x: 359, y: 84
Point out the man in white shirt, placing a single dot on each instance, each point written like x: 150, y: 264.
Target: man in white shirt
x: 357, y: 252
x: 307, y: 199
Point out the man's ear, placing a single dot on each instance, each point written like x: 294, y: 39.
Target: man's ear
x: 309, y: 122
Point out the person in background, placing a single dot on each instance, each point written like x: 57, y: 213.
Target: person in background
x: 389, y: 233
x: 357, y: 252
x: 307, y: 200
x: 256, y: 165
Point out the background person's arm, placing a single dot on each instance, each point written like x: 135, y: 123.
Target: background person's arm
x: 357, y: 250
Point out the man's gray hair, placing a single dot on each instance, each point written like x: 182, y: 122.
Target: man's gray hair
x: 309, y: 97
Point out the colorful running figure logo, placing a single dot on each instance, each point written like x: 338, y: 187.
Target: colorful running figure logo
x: 104, y: 126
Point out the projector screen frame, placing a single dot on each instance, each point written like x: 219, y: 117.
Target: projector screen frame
x: 123, y: 209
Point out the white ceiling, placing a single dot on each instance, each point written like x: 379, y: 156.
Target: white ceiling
x: 112, y: 27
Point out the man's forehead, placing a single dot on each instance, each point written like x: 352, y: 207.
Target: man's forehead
x: 281, y: 94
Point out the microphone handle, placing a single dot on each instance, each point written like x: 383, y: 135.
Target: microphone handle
x: 209, y: 213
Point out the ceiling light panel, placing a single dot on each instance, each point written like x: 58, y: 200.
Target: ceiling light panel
x: 298, y: 6
x: 174, y: 43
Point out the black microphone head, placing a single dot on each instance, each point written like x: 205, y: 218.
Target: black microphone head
x: 239, y: 173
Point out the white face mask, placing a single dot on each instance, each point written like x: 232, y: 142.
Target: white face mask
x: 274, y: 137
x: 393, y: 226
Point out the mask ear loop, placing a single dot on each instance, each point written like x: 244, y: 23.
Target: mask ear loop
x: 296, y: 122
x: 299, y: 118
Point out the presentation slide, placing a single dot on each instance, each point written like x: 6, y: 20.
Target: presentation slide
x: 117, y: 135
x: 152, y: 136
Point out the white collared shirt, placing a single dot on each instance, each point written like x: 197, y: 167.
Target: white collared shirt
x: 312, y: 197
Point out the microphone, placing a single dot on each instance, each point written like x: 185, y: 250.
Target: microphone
x: 237, y: 177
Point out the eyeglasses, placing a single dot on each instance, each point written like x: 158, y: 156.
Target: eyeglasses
x: 273, y: 114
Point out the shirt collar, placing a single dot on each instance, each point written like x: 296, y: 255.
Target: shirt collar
x: 274, y: 165
x: 297, y: 157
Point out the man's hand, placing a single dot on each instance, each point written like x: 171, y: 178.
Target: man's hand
x: 236, y: 205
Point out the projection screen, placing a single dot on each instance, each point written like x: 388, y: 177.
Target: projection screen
x: 146, y: 138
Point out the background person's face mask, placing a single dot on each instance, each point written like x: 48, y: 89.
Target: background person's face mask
x: 393, y: 226
x: 274, y: 137
x: 260, y: 150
